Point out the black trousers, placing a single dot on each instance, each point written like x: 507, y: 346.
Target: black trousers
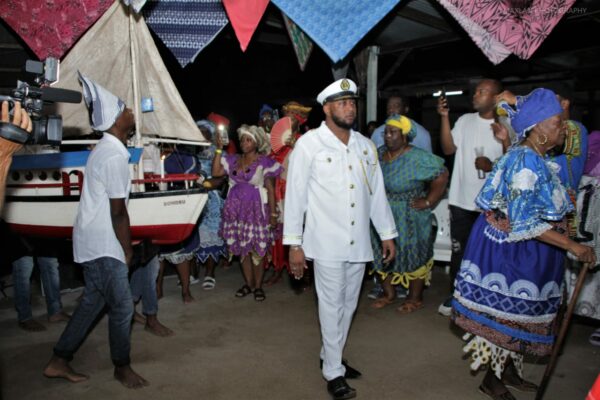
x: 461, y: 223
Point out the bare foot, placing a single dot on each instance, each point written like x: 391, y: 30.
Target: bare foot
x: 156, y: 328
x: 59, y: 317
x: 139, y: 318
x: 129, y: 378
x: 60, y: 368
x: 187, y: 298
x: 31, y: 325
x: 273, y: 279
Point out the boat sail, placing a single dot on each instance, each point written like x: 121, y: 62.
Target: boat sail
x: 43, y: 190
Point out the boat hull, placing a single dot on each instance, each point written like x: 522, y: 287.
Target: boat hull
x: 165, y: 217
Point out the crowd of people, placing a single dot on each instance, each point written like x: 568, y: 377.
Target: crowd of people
x: 329, y: 204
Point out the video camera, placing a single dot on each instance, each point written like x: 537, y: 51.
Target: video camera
x: 47, y: 129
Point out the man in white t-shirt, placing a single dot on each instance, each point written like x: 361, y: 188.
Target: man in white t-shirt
x: 102, y: 241
x: 475, y: 148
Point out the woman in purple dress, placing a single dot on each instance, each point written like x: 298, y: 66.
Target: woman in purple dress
x: 250, y: 213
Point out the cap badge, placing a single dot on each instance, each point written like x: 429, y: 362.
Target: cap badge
x: 345, y: 85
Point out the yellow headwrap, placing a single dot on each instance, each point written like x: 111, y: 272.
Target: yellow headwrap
x: 401, y: 122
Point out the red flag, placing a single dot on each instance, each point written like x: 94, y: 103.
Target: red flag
x: 245, y: 16
x: 50, y: 28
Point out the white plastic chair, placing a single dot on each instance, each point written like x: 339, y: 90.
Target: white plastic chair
x: 442, y: 246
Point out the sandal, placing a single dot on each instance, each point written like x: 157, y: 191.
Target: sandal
x: 259, y: 295
x: 595, y: 338
x: 502, y: 396
x: 209, y: 283
x: 409, y: 306
x: 382, y: 302
x: 243, y: 291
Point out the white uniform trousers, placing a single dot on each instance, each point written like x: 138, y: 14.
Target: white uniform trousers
x: 338, y: 287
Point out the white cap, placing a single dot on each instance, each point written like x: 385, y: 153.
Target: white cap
x: 338, y: 90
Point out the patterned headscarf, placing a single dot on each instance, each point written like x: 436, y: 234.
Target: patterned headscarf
x: 530, y: 110
x: 204, y: 123
x: 299, y: 111
x: 258, y: 134
x: 105, y: 108
x: 404, y: 124
x: 265, y: 109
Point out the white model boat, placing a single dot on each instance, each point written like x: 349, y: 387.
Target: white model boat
x: 42, y: 196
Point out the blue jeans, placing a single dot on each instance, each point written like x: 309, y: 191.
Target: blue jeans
x: 143, y: 286
x: 106, y: 284
x: 22, y: 269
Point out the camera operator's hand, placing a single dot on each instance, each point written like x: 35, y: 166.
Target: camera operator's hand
x: 20, y: 117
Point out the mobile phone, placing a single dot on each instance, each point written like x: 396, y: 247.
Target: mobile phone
x: 222, y: 132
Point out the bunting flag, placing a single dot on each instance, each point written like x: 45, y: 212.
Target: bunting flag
x: 302, y: 44
x: 245, y: 16
x: 185, y: 26
x: 501, y: 28
x: 50, y: 28
x: 336, y: 26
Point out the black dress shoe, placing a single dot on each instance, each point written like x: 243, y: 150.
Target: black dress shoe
x: 339, y: 389
x: 351, y: 373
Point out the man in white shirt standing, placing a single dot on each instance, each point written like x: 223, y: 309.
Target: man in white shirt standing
x: 102, y: 241
x: 334, y: 190
x: 475, y: 148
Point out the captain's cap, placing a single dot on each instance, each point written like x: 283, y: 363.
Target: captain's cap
x: 338, y: 90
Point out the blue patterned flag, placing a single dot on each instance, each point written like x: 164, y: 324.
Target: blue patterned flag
x: 185, y: 26
x: 336, y: 26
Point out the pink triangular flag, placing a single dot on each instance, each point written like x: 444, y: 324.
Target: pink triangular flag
x: 50, y: 28
x: 245, y: 16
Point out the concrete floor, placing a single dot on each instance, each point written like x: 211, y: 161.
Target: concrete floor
x: 229, y: 348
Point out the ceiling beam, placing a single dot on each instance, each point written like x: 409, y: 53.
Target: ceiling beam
x: 430, y: 41
x: 392, y: 70
x: 424, y: 19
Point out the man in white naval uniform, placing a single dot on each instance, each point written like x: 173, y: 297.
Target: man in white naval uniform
x: 334, y: 189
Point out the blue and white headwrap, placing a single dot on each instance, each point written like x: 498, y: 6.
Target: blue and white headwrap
x: 265, y: 109
x: 530, y: 110
x: 104, y: 106
x: 204, y: 123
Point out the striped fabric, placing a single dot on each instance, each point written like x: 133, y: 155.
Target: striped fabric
x: 186, y: 26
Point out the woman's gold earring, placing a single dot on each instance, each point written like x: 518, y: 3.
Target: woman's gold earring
x: 544, y: 142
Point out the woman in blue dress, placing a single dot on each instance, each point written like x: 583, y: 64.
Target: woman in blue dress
x: 507, y: 292
x: 415, y: 180
x: 212, y: 246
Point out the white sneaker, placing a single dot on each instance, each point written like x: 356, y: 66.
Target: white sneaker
x: 376, y: 292
x: 445, y: 308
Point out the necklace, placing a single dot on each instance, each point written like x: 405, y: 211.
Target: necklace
x: 535, y: 148
x: 400, y: 152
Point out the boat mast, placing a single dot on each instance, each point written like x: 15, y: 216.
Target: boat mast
x: 136, y: 97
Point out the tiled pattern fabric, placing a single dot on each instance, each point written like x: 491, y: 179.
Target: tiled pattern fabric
x: 499, y: 29
x: 185, y: 27
x: 336, y: 26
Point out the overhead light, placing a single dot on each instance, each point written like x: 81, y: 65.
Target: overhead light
x: 451, y: 93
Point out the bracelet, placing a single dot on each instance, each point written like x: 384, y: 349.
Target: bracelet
x: 295, y: 248
x: 274, y: 215
x: 218, y: 151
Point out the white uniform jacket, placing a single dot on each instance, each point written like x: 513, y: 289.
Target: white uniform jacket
x: 339, y: 188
